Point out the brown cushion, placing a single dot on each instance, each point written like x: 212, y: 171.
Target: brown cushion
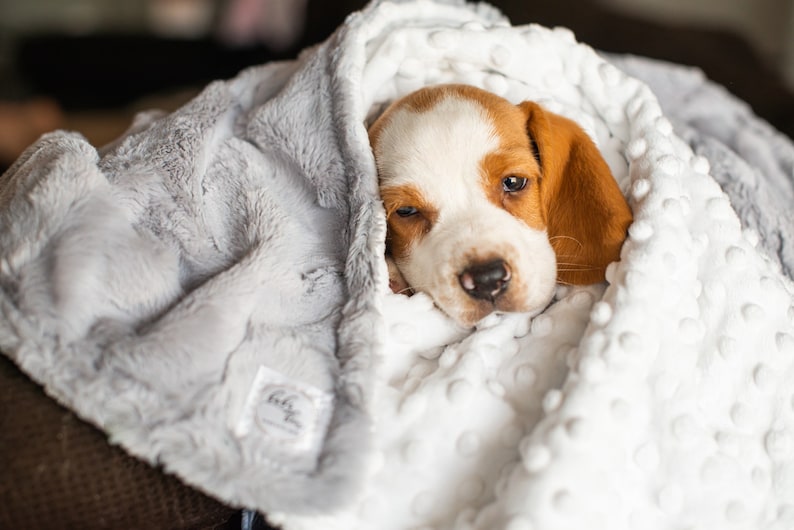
x: 56, y: 471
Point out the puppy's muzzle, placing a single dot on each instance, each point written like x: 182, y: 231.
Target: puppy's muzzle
x: 486, y: 281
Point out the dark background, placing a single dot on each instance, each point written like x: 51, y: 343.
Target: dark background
x: 110, y: 70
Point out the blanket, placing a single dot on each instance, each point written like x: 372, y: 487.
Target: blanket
x: 210, y: 290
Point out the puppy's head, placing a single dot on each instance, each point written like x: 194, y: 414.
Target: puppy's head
x: 489, y: 204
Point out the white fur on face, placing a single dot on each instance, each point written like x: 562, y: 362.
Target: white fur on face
x: 438, y: 152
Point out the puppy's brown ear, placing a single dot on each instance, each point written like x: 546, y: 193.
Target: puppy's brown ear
x: 586, y: 214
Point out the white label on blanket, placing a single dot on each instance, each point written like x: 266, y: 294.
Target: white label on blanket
x: 286, y: 410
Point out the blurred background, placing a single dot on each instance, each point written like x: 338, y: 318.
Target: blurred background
x: 89, y: 65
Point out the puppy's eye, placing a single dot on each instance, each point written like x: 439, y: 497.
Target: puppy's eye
x: 406, y: 211
x: 513, y: 184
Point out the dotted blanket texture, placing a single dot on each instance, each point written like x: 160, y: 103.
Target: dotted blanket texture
x: 664, y: 399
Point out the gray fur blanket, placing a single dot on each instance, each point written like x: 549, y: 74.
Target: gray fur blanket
x: 210, y: 290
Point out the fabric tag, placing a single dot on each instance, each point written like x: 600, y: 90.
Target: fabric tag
x: 291, y: 414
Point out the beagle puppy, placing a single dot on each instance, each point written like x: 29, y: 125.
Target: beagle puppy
x: 489, y: 204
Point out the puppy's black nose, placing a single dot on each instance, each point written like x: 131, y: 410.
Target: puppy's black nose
x: 485, y: 281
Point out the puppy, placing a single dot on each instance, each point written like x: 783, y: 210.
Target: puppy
x: 490, y: 204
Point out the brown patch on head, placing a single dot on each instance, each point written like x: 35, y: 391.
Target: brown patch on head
x: 404, y: 230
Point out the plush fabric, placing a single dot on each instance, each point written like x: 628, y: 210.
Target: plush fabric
x: 145, y: 285
x: 751, y: 161
x: 210, y: 291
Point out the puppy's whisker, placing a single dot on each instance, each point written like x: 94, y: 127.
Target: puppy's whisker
x: 573, y: 263
x: 413, y: 289
x: 552, y: 238
x: 576, y: 265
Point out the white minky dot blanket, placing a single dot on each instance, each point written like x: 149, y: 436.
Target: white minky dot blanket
x: 210, y: 290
